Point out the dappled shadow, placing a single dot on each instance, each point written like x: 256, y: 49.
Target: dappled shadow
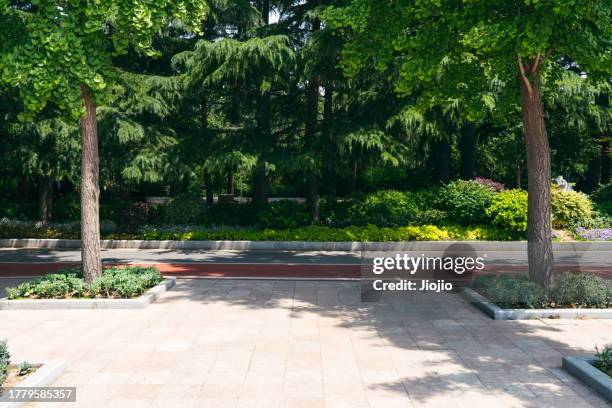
x: 441, y: 349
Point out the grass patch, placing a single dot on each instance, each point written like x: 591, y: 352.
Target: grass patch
x: 570, y: 290
x: 115, y: 282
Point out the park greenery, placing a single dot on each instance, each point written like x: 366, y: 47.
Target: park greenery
x: 394, y: 120
x: 115, y: 282
x: 570, y: 290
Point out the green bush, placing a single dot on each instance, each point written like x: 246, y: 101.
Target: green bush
x: 66, y: 208
x: 466, y: 201
x: 384, y: 208
x: 511, y: 291
x: 602, y: 197
x: 5, y: 361
x: 569, y: 290
x: 231, y: 213
x: 284, y: 214
x: 570, y: 207
x: 183, y: 209
x: 581, y: 290
x: 508, y: 210
x: 603, y: 359
x: 115, y: 282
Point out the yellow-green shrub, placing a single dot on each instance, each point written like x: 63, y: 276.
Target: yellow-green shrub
x: 570, y: 207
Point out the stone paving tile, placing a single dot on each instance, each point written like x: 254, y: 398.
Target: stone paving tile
x: 232, y: 343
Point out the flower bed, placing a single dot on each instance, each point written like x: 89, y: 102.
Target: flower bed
x: 570, y: 290
x: 115, y: 282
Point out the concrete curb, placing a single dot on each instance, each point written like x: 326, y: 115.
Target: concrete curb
x: 304, y: 245
x: 140, y: 302
x: 497, y: 313
x: 44, y: 376
x: 583, y: 369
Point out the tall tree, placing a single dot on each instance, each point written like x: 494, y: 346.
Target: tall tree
x: 62, y: 54
x: 517, y: 42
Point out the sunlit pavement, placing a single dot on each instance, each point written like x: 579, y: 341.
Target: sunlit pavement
x: 236, y: 343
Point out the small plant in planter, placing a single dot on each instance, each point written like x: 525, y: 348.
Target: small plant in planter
x: 5, y: 360
x: 10, y: 374
x: 25, y: 368
x: 603, y: 359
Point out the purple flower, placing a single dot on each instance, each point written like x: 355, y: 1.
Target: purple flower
x: 489, y: 183
x: 597, y: 234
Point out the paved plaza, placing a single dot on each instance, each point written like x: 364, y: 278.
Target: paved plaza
x: 270, y: 343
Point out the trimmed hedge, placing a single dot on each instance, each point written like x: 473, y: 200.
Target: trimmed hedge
x: 310, y: 233
x: 115, y: 282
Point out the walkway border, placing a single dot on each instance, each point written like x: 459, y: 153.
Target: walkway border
x: 577, y: 246
x: 582, y: 368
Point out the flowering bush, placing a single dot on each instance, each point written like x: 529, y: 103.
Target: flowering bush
x: 490, y: 183
x: 596, y: 234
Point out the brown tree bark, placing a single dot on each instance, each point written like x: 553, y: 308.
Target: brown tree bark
x: 443, y: 159
x: 45, y: 198
x: 539, y: 222
x: 90, y: 190
x: 467, y: 146
x: 330, y: 167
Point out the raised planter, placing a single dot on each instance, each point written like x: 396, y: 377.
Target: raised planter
x: 137, y: 303
x: 497, y: 313
x: 583, y: 369
x: 521, y: 246
x: 44, y: 376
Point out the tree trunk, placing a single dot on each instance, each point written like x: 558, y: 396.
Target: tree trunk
x: 230, y: 182
x: 312, y: 198
x: 605, y: 161
x: 330, y: 168
x: 467, y: 146
x: 593, y: 174
x: 518, y: 173
x: 90, y: 190
x: 443, y: 159
x: 45, y: 198
x: 210, y: 198
x: 352, y: 181
x: 539, y: 228
x: 261, y: 188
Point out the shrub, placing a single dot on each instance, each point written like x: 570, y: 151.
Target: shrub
x: 602, y: 197
x: 115, y: 282
x: 569, y: 290
x: 25, y: 368
x: 511, y: 291
x: 284, y: 214
x: 183, y: 209
x: 466, y: 201
x: 5, y: 360
x: 603, y: 359
x: 508, y: 210
x: 581, y: 290
x: 385, y: 207
x: 66, y: 208
x: 569, y: 207
x: 490, y: 183
x: 231, y: 213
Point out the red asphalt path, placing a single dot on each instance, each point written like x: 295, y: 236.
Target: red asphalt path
x: 270, y: 270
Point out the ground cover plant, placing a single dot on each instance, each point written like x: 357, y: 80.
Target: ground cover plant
x: 603, y: 359
x: 10, y: 375
x: 569, y: 290
x: 115, y: 282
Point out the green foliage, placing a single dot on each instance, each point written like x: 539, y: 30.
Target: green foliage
x: 570, y: 207
x: 602, y: 197
x: 115, y: 282
x: 67, y: 208
x: 603, y: 359
x: 25, y: 368
x: 385, y: 207
x: 508, y: 210
x: 184, y: 209
x: 5, y: 360
x: 466, y: 201
x: 508, y: 291
x: 284, y: 214
x: 48, y: 63
x: 569, y: 290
